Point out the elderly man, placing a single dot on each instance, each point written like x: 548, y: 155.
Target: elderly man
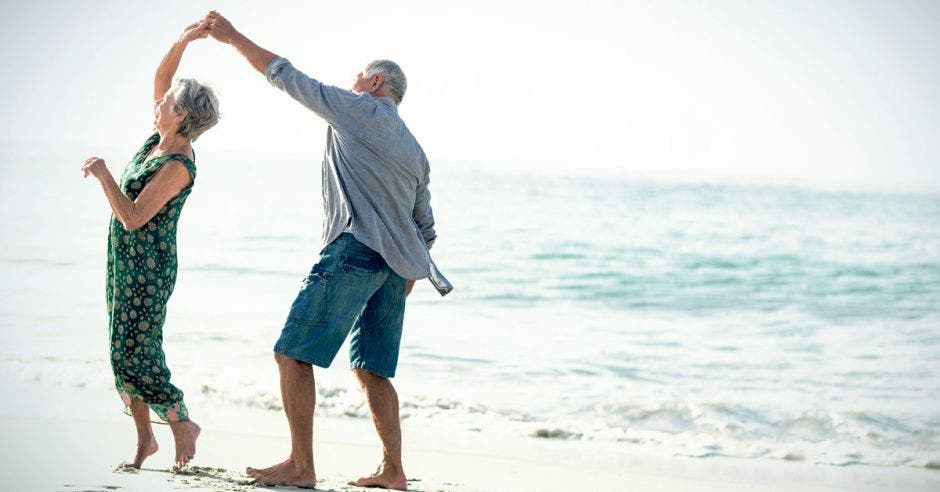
x: 378, y: 229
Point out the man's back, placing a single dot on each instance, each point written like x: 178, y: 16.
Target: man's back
x: 375, y: 174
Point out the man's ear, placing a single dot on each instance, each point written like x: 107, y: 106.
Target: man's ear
x: 377, y: 80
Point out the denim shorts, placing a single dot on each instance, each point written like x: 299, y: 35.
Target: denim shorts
x: 349, y: 288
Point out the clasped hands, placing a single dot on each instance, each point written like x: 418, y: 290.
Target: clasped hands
x: 213, y: 24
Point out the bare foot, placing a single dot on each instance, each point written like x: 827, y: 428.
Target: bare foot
x: 387, y: 476
x: 145, y: 448
x: 286, y: 473
x: 255, y: 472
x: 185, y: 434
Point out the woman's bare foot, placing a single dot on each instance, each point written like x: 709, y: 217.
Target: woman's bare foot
x: 185, y: 434
x: 387, y: 476
x: 286, y: 473
x: 145, y: 448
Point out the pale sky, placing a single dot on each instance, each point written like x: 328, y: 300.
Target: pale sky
x: 815, y: 91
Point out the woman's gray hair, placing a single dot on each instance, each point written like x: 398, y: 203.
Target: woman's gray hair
x: 199, y: 103
x: 392, y: 75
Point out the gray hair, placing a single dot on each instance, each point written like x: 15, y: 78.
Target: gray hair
x: 392, y: 75
x: 199, y: 103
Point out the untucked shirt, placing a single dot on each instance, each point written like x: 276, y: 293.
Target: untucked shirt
x: 375, y: 175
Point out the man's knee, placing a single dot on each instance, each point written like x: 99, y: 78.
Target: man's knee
x: 367, y: 378
x: 285, y: 361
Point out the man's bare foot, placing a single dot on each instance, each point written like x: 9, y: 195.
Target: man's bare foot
x: 255, y: 472
x: 388, y: 476
x: 185, y: 434
x: 286, y: 473
x: 145, y: 448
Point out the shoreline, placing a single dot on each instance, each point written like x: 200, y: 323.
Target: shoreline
x: 71, y: 439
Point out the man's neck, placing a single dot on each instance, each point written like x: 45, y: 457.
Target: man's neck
x: 381, y: 92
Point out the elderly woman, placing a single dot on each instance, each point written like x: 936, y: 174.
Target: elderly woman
x: 142, y: 250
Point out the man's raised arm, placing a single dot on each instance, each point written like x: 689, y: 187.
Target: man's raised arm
x: 330, y: 103
x: 221, y: 29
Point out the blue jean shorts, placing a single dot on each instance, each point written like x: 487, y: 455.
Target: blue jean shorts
x: 350, y: 288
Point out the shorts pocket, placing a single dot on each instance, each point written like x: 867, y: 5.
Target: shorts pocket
x: 318, y: 274
x: 312, y: 304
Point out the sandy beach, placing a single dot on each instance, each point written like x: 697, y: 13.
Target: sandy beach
x: 694, y: 246
x: 74, y: 447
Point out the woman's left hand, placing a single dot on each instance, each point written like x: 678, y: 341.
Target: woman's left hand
x: 94, y: 166
x: 196, y: 30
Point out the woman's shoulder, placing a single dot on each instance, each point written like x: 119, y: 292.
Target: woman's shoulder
x: 184, y: 156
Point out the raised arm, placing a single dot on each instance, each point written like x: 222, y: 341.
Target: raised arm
x: 171, y: 179
x: 221, y: 29
x: 163, y: 79
x: 331, y: 103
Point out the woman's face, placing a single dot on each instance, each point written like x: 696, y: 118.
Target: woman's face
x: 164, y: 117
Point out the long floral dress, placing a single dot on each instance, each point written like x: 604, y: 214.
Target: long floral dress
x: 141, y: 275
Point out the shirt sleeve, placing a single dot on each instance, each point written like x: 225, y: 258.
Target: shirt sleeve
x: 422, y: 214
x: 331, y: 103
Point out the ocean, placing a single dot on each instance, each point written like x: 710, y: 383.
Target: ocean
x: 697, y: 319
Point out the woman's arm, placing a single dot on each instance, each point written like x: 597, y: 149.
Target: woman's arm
x: 171, y: 179
x: 171, y: 61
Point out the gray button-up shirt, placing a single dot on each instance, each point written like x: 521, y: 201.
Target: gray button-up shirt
x: 375, y: 175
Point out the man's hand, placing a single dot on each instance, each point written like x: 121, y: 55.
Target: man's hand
x: 409, y: 284
x: 196, y: 30
x: 220, y: 28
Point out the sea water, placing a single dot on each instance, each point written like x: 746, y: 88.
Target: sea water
x: 699, y: 319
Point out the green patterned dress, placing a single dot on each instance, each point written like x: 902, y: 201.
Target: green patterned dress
x: 141, y: 275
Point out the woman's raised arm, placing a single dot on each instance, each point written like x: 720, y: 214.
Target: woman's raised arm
x: 171, y: 61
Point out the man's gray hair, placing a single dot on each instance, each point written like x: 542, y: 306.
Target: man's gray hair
x: 199, y: 103
x: 392, y: 75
